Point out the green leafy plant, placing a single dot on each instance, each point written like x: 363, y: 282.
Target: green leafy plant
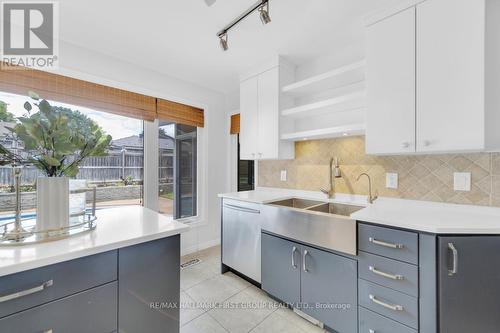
x: 57, y: 139
x: 4, y: 114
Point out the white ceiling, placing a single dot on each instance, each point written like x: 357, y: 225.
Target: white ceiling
x: 178, y: 38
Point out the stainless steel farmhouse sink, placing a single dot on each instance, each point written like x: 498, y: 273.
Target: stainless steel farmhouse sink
x: 323, y: 224
x: 335, y: 208
x: 297, y: 203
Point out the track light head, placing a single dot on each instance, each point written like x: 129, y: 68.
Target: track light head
x: 223, y: 41
x: 264, y: 13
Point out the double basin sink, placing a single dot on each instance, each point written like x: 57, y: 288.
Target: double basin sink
x: 323, y: 224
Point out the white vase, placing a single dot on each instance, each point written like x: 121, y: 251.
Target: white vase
x: 52, y: 203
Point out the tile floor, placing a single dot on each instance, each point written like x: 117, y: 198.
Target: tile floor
x: 239, y: 306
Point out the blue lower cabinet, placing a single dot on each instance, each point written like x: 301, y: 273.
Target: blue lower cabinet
x: 328, y: 289
x: 370, y: 322
x: 149, y: 287
x: 317, y: 282
x: 281, y: 262
x: 92, y: 311
x: 24, y: 290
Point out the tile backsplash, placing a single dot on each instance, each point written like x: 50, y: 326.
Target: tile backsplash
x: 421, y: 177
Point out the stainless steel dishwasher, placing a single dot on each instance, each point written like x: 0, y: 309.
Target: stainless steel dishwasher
x: 241, y: 223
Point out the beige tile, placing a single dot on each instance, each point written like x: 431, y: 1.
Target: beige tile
x: 189, y: 309
x: 193, y: 275
x: 244, y: 311
x: 276, y: 324
x: 214, y: 290
x: 203, y: 324
x: 298, y: 321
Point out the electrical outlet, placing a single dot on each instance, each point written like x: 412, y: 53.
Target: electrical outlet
x: 391, y: 180
x: 283, y: 175
x: 461, y: 181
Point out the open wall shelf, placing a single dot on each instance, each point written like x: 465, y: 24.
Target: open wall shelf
x: 342, y: 76
x: 352, y: 101
x: 323, y: 133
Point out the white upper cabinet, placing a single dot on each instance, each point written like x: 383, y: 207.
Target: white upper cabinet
x: 456, y: 80
x: 391, y: 85
x: 260, y: 120
x: 450, y: 75
x: 249, y: 118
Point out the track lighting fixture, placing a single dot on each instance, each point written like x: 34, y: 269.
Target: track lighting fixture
x: 262, y: 6
x: 264, y: 13
x: 223, y: 41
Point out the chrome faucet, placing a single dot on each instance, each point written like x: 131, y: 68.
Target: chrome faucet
x: 371, y: 198
x: 334, y: 172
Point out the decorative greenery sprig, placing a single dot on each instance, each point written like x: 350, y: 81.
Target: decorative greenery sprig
x: 56, y: 139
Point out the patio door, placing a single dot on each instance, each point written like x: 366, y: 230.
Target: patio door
x: 185, y: 172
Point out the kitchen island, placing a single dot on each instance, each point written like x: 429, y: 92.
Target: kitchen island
x: 122, y: 275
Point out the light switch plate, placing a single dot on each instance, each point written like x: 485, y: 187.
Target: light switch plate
x: 283, y: 175
x: 391, y: 180
x: 461, y: 181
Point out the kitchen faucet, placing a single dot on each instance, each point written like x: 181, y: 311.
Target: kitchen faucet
x: 334, y: 171
x: 371, y: 198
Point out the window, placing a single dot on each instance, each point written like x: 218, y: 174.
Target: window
x: 246, y: 173
x: 118, y: 175
x: 177, y: 169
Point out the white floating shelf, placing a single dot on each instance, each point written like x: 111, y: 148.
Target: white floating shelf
x: 333, y: 79
x: 324, y: 133
x: 347, y: 102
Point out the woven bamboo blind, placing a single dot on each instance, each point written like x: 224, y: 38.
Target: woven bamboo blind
x: 73, y: 91
x: 179, y: 113
x: 235, y: 124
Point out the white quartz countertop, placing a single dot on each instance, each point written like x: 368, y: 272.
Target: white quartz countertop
x: 432, y: 217
x: 265, y: 195
x: 423, y: 216
x: 116, y: 228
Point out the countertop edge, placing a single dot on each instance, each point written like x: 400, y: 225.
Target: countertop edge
x: 38, y: 263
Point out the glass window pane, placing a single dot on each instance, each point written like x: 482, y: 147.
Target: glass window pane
x: 117, y: 174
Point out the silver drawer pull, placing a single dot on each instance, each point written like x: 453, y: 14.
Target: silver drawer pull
x: 371, y: 331
x: 385, y: 244
x: 26, y: 292
x: 454, y: 251
x: 48, y: 331
x: 387, y: 275
x: 304, y: 266
x: 242, y: 209
x: 392, y: 307
x: 294, y: 249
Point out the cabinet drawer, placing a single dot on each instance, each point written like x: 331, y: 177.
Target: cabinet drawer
x: 389, y: 273
x: 27, y: 289
x: 391, y: 243
x: 92, y: 311
x: 370, y: 322
x: 390, y: 303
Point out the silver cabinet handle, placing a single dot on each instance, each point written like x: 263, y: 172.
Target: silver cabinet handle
x: 392, y: 307
x: 293, y: 257
x: 405, y: 145
x: 454, y: 251
x: 304, y: 266
x: 386, y: 244
x: 48, y: 331
x: 371, y: 331
x: 384, y: 274
x: 26, y: 292
x: 242, y: 209
x: 426, y: 143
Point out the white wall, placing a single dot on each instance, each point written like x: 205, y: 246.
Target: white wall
x: 87, y: 65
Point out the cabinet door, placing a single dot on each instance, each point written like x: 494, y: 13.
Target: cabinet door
x: 249, y: 118
x: 469, y: 289
x: 281, y: 268
x: 390, y: 81
x: 450, y: 75
x: 268, y: 106
x: 149, y: 274
x: 328, y: 287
